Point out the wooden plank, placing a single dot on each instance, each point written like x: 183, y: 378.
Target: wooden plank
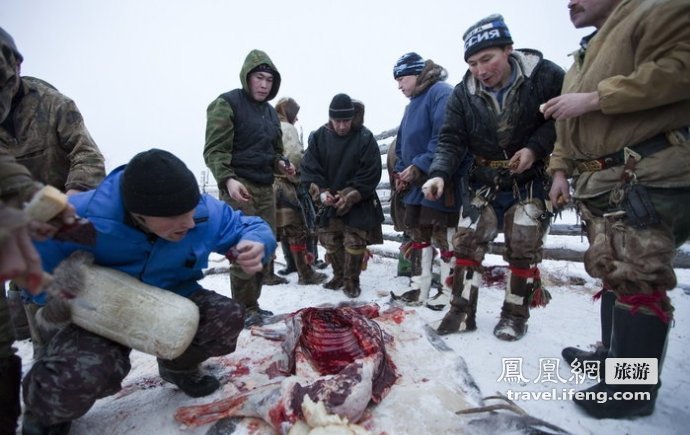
x: 681, y: 261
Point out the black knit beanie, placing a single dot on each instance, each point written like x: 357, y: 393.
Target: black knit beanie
x: 487, y: 32
x: 156, y: 183
x: 341, y: 107
x: 409, y: 64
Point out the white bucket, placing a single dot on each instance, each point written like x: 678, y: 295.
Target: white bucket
x: 135, y: 314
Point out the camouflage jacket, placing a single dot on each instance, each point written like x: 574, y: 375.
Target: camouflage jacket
x: 16, y: 183
x: 45, y: 132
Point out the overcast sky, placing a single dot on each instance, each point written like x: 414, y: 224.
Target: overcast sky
x: 143, y: 72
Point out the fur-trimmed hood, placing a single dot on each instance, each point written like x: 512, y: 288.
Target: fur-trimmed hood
x: 431, y: 74
x: 525, y: 59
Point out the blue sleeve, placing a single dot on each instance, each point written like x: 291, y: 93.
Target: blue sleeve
x: 437, y: 110
x: 235, y: 226
x: 52, y: 252
x: 399, y: 165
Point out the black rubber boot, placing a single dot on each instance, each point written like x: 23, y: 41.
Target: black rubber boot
x: 289, y: 262
x: 31, y: 425
x: 10, y: 381
x: 608, y: 299
x: 192, y: 382
x: 639, y: 335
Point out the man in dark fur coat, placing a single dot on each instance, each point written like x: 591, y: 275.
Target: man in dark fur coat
x: 342, y: 165
x: 493, y: 114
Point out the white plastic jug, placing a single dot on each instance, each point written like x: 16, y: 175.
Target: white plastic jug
x: 146, y: 318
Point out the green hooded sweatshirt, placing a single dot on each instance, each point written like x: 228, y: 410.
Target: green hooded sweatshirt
x: 243, y: 136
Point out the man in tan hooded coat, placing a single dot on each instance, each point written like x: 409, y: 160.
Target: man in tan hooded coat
x: 622, y: 135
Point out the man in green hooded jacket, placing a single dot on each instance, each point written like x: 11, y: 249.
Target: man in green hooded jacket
x: 243, y: 150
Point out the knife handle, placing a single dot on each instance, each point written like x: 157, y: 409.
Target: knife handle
x: 46, y: 204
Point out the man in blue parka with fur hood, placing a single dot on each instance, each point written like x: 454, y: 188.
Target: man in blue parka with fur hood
x: 428, y: 222
x: 152, y: 223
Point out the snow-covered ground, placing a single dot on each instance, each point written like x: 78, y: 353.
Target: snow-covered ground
x: 146, y: 405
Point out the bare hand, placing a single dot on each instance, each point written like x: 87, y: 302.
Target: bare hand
x: 327, y: 198
x: 400, y: 185
x: 433, y: 188
x: 285, y: 168
x: 249, y: 256
x: 521, y: 161
x: 18, y: 257
x: 559, y: 195
x: 45, y: 230
x: 409, y: 175
x: 237, y: 191
x: 345, y: 200
x: 569, y: 106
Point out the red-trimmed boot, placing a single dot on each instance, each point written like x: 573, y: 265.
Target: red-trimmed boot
x: 461, y: 316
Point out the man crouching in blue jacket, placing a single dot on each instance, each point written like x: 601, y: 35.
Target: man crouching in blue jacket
x: 151, y: 223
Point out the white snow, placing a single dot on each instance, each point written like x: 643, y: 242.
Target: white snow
x: 147, y: 405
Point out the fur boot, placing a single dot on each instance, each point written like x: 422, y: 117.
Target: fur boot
x: 463, y: 304
x: 306, y: 273
x: 337, y: 261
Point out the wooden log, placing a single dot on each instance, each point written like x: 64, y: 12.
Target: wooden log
x: 681, y: 261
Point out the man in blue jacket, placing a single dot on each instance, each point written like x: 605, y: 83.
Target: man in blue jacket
x: 426, y: 221
x: 153, y: 224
